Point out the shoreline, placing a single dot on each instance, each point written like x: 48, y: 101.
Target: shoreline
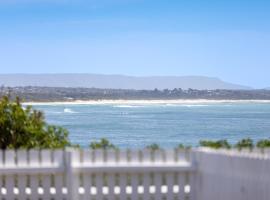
x: 145, y: 102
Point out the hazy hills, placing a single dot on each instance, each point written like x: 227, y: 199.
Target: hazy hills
x: 116, y: 81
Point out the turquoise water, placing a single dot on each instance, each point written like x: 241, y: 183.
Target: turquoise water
x: 168, y: 125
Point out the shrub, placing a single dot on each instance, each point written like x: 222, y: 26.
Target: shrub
x: 182, y: 146
x: 263, y: 143
x: 102, y: 144
x: 26, y: 128
x: 245, y: 143
x: 215, y: 144
x: 153, y: 146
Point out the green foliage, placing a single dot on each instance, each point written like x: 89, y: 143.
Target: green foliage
x: 263, y: 143
x: 215, y: 144
x: 26, y: 128
x: 182, y: 146
x: 245, y: 143
x: 153, y: 146
x: 102, y: 144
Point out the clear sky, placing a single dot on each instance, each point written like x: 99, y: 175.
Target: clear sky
x: 229, y: 39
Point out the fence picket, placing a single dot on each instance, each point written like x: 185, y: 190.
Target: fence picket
x: 111, y: 185
x: 122, y: 177
x: 46, y: 178
x: 111, y: 159
x: 134, y: 158
x: 99, y: 178
x: 170, y: 158
x: 147, y: 158
x: 22, y: 178
x: 159, y: 159
x: 170, y: 184
x: 10, y: 179
x: 134, y: 185
x: 87, y: 178
x: 158, y: 183
x: 181, y: 186
x: 123, y: 185
x: 34, y: 178
x: 73, y: 178
x: 58, y: 178
x: 99, y: 185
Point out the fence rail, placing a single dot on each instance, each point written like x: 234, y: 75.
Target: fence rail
x: 198, y: 174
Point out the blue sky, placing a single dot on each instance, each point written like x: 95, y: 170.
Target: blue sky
x: 226, y: 39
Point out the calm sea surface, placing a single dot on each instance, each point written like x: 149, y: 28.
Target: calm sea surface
x: 168, y: 125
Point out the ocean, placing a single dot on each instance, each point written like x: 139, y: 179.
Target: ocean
x: 136, y: 126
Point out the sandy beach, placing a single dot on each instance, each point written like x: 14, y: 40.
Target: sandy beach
x: 145, y: 102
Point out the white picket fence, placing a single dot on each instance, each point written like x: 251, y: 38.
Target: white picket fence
x: 75, y: 174
x: 198, y: 174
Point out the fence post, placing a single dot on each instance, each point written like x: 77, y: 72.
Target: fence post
x: 71, y: 178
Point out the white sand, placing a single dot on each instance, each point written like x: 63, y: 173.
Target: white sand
x: 145, y: 102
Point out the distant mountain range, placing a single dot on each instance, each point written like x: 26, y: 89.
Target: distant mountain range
x: 117, y: 81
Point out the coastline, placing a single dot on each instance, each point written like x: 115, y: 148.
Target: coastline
x: 145, y: 102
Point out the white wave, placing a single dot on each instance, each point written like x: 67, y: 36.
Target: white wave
x: 127, y: 106
x: 68, y: 110
x: 161, y: 105
x: 194, y: 105
x: 146, y: 102
x: 170, y: 105
x: 183, y: 105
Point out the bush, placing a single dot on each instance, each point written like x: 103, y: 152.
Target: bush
x: 245, y: 143
x: 263, y: 143
x: 102, y: 144
x: 26, y: 128
x: 182, y: 146
x: 215, y: 144
x: 153, y: 146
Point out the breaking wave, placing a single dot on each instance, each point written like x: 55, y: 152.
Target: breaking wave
x: 68, y: 110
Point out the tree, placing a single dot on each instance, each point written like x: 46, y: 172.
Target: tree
x: 215, y: 144
x: 102, y: 144
x: 26, y: 128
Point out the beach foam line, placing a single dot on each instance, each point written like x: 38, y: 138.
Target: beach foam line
x: 148, y: 102
x: 128, y: 106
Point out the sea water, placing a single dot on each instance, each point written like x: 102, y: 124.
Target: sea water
x: 135, y: 126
